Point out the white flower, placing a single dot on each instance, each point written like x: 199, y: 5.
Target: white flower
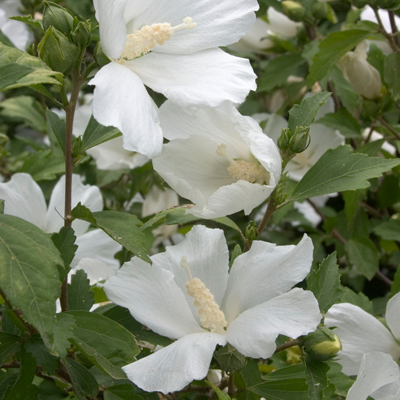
x: 217, y: 158
x: 362, y: 76
x: 24, y: 199
x: 378, y: 377
x: 322, y: 139
x: 361, y: 333
x: 188, y: 294
x: 171, y: 47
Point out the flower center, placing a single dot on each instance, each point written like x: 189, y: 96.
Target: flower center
x: 146, y: 39
x: 244, y: 170
x: 212, y: 318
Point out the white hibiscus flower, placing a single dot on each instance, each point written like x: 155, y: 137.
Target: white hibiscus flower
x: 171, y: 47
x: 217, y: 158
x: 189, y: 294
x: 24, y: 199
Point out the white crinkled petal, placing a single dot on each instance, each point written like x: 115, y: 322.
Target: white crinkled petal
x: 393, y: 315
x: 292, y: 314
x: 24, y: 199
x: 205, y: 78
x: 359, y: 333
x: 153, y: 298
x: 121, y: 100
x: 219, y: 23
x: 175, y: 366
x: 264, y: 272
x: 87, y: 195
x: 376, y: 370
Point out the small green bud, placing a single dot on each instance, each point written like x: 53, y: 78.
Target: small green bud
x: 57, y: 51
x: 368, y: 109
x: 251, y: 231
x: 320, y: 10
x: 100, y: 57
x: 322, y: 345
x: 295, y: 11
x: 77, y: 149
x: 57, y: 16
x: 283, y: 140
x: 82, y: 33
x: 300, y: 139
x: 280, y: 193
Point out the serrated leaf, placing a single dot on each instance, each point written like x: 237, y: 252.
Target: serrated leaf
x: 104, y: 342
x: 41, y: 72
x: 358, y: 299
x: 34, y: 23
x: 285, y: 389
x: 34, y: 345
x: 331, y: 49
x: 44, y: 165
x: 80, y: 297
x: 343, y: 121
x: 392, y: 74
x: 65, y: 243
x: 29, y: 274
x: 371, y: 148
x: 123, y: 227
x: 324, y: 282
x: 341, y: 381
x: 11, y: 73
x: 121, y: 392
x: 96, y: 134
x: 63, y: 331
x: 338, y: 170
x: 58, y: 127
x: 317, y: 380
x: 304, y: 114
x: 83, y: 382
x: 9, y: 344
x: 388, y: 230
x: 229, y: 359
x: 362, y: 253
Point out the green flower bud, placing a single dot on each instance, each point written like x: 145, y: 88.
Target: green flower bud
x: 251, y: 231
x: 283, y: 140
x: 295, y: 11
x: 57, y: 16
x: 369, y: 109
x: 300, y: 139
x: 57, y: 51
x: 99, y: 56
x: 320, y: 10
x: 82, y: 33
x: 322, y: 345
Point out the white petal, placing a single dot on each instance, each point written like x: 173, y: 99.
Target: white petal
x: 110, y: 14
x: 172, y: 368
x: 205, y: 78
x: 219, y: 23
x: 121, y: 100
x: 96, y: 270
x: 135, y: 7
x: 376, y: 370
x: 208, y: 259
x: 274, y: 125
x: 359, y: 333
x: 393, y: 315
x: 264, y: 272
x: 24, y: 199
x: 280, y: 24
x: 17, y: 32
x: 292, y: 314
x: 89, y: 196
x: 83, y: 112
x: 158, y: 200
x: 153, y: 298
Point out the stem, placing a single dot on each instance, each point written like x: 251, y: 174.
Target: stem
x: 295, y: 342
x: 387, y: 35
x: 231, y: 386
x: 394, y: 28
x: 334, y: 96
x: 389, y: 128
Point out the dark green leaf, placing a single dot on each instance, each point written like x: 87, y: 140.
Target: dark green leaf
x: 65, y: 243
x: 237, y: 251
x: 121, y: 392
x: 289, y: 389
x: 34, y: 345
x: 104, y: 342
x: 1, y: 206
x: 9, y: 344
x: 44, y: 165
x: 343, y: 121
x: 338, y: 170
x: 371, y: 148
x: 316, y: 372
x: 351, y: 204
x: 29, y: 273
x: 363, y: 255
x: 396, y: 283
x: 63, y: 331
x: 358, y: 299
x: 229, y: 359
x: 58, y: 127
x: 392, y: 74
x: 11, y: 73
x: 34, y: 23
x: 389, y: 230
x: 344, y: 90
x: 123, y: 227
x: 80, y: 297
x: 389, y: 191
x: 303, y: 114
x: 341, y: 381
x: 220, y: 394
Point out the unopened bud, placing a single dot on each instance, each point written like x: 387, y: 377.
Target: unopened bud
x: 300, y: 139
x: 284, y: 139
x: 251, y: 231
x: 320, y: 10
x: 82, y: 33
x: 322, y: 345
x: 295, y: 11
x: 57, y: 51
x: 57, y: 16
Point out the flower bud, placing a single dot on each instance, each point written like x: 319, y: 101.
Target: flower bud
x: 57, y: 16
x: 322, y: 345
x: 251, y: 231
x: 300, y: 139
x: 295, y: 11
x: 362, y: 76
x: 283, y: 140
x: 57, y: 51
x: 369, y: 109
x: 320, y: 10
x: 82, y: 33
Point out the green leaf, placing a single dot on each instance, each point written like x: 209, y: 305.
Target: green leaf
x: 278, y: 71
x: 285, y: 389
x: 9, y: 345
x: 324, y: 282
x: 303, y: 114
x: 220, y: 394
x: 34, y: 345
x: 83, y: 382
x: 338, y: 170
x: 358, y: 299
x: 343, y: 121
x: 58, y: 127
x: 123, y: 227
x: 363, y: 254
x: 41, y: 72
x: 237, y: 251
x: 389, y: 191
x: 229, y: 359
x: 392, y: 74
x: 29, y: 273
x: 44, y: 165
x: 65, y: 243
x: 388, y: 230
x: 63, y: 331
x: 317, y: 380
x: 351, y: 203
x: 121, y: 392
x: 331, y: 49
x: 344, y: 90
x: 249, y: 375
x: 34, y: 23
x: 104, y: 342
x: 396, y: 283
x: 80, y: 297
x: 96, y: 134
x: 1, y: 206
x: 341, y: 381
x: 371, y: 148
x: 11, y: 73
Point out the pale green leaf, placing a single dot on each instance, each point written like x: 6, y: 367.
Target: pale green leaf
x: 362, y: 253
x: 388, y: 230
x: 392, y: 74
x: 11, y: 73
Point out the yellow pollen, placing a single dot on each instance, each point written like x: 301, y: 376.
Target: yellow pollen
x: 244, y: 170
x: 146, y: 39
x: 212, y: 318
